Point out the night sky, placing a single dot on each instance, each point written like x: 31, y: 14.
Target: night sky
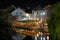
x: 26, y: 3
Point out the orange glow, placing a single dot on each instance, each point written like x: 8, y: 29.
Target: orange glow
x: 30, y: 24
x: 26, y: 32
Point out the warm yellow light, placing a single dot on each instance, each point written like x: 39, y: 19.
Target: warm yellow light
x: 46, y: 24
x: 37, y: 23
x: 27, y: 15
x: 40, y: 22
x: 37, y: 35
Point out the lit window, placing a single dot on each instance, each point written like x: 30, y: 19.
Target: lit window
x: 42, y: 13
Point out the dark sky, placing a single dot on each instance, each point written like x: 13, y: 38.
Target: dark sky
x: 25, y: 3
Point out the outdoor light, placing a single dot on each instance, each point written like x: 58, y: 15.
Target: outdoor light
x: 43, y: 38
x: 47, y: 37
x: 46, y: 24
x: 37, y: 23
x: 27, y: 15
x: 37, y: 35
x: 43, y: 13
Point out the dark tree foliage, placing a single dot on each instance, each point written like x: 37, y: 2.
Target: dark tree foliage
x: 5, y: 31
x: 54, y: 23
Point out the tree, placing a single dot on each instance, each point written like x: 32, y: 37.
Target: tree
x: 54, y: 22
x: 6, y: 31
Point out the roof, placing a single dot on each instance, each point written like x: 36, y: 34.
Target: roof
x: 37, y: 7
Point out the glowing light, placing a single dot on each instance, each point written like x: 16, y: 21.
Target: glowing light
x: 37, y: 23
x: 37, y: 35
x: 47, y: 37
x: 46, y: 24
x: 43, y: 13
x: 41, y: 38
x: 27, y: 15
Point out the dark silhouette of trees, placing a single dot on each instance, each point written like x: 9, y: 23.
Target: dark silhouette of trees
x: 54, y: 23
x: 5, y: 31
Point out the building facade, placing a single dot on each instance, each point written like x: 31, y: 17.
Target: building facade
x: 39, y: 15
